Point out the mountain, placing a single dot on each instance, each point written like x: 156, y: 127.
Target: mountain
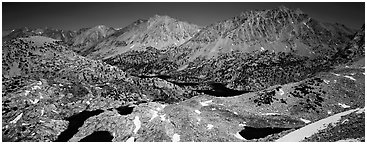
x: 268, y: 75
x: 261, y: 69
x: 277, y: 30
x: 355, y: 49
x: 57, y: 34
x: 160, y: 32
x: 86, y: 38
x: 6, y: 32
x: 249, y: 52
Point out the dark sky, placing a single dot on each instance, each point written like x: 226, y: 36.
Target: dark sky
x: 73, y: 16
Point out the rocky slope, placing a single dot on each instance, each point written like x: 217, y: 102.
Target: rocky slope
x: 160, y: 32
x: 44, y: 83
x: 277, y: 30
x: 6, y: 32
x: 57, y: 34
x: 355, y: 48
x: 86, y: 38
x: 260, y: 70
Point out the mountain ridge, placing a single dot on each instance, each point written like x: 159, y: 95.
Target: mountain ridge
x: 159, y: 31
x: 285, y: 29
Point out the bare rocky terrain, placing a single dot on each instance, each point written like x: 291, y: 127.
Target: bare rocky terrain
x: 265, y: 75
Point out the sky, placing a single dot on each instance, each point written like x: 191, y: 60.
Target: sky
x: 73, y: 16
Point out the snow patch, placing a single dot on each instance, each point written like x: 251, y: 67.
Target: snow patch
x: 271, y: 114
x: 326, y: 81
x: 132, y: 46
x: 137, y: 123
x: 206, y: 103
x: 344, y: 121
x: 131, y: 139
x: 360, y: 111
x: 163, y: 106
x: 281, y: 92
x: 306, y: 24
x: 35, y: 101
x: 336, y: 74
x: 262, y: 48
x: 305, y: 121
x: 42, y: 111
x: 313, y: 128
x: 350, y: 140
x: 162, y: 117
x: 17, y: 118
x: 237, y: 135
x: 350, y: 78
x: 36, y: 87
x: 199, y: 119
x: 343, y: 105
x: 242, y: 124
x: 155, y: 114
x: 209, y: 126
x: 197, y: 111
x: 175, y: 138
x: 26, y: 92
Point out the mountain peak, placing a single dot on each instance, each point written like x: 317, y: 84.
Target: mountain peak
x: 137, y: 22
x: 283, y: 8
x: 101, y: 26
x: 156, y: 16
x: 272, y: 13
x: 160, y: 18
